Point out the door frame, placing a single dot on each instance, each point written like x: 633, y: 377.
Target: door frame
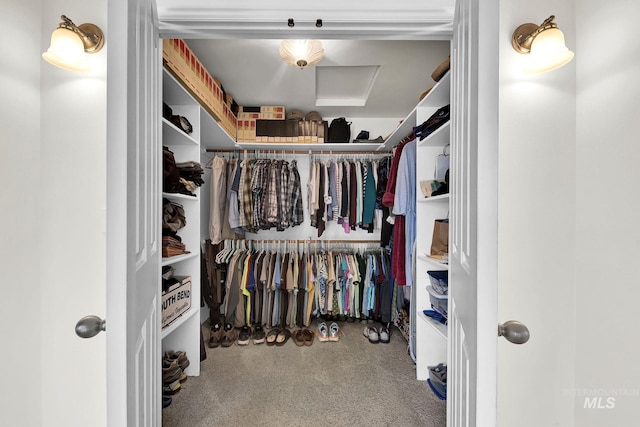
x: 486, y: 330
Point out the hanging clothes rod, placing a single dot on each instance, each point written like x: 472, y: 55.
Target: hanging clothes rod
x: 315, y: 153
x: 312, y: 241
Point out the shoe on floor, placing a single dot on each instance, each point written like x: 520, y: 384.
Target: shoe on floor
x: 298, y: 337
x: 384, y: 335
x: 372, y: 334
x: 323, y: 332
x: 334, y: 332
x: 272, y: 336
x: 283, y: 337
x: 308, y: 337
x: 215, y: 337
x: 228, y: 335
x: 244, y: 336
x: 258, y: 334
x: 166, y: 401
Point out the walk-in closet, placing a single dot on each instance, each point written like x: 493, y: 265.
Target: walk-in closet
x: 304, y: 279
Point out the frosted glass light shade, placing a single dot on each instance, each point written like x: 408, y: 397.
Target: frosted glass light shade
x: 67, y: 51
x: 548, y: 52
x: 301, y: 53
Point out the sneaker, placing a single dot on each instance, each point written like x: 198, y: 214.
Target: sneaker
x: 258, y: 334
x: 180, y: 356
x: 169, y: 365
x: 334, y: 332
x: 363, y: 135
x: 323, y: 332
x: 384, y: 335
x: 215, y: 337
x: 228, y: 336
x: 166, y: 401
x: 244, y: 336
x: 171, y: 372
x: 167, y: 390
x: 372, y: 334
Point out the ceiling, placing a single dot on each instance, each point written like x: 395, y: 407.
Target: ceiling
x: 238, y: 43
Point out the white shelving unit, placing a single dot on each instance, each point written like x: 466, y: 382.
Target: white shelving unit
x: 430, y: 336
x: 184, y: 333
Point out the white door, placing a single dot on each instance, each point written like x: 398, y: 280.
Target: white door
x: 133, y: 192
x: 471, y: 397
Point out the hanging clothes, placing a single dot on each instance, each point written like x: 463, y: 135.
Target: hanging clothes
x: 405, y: 203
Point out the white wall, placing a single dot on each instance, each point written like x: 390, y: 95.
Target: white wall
x: 607, y: 213
x: 72, y: 197
x: 20, y: 320
x: 537, y: 240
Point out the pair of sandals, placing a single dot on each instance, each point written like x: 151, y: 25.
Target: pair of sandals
x: 331, y: 333
x: 375, y: 337
x: 279, y: 337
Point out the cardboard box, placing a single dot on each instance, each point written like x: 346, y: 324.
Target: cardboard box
x: 176, y: 301
x: 206, y: 89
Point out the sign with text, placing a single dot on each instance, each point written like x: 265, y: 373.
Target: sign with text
x: 176, y: 301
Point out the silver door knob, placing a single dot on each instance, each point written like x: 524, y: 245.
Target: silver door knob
x: 514, y: 332
x: 90, y: 326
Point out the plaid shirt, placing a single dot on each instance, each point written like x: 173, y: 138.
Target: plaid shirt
x: 296, y: 215
x: 272, y: 194
x: 283, y: 209
x: 257, y: 189
x: 246, y: 199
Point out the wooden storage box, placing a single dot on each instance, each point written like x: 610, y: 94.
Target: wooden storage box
x: 176, y: 301
x: 186, y: 67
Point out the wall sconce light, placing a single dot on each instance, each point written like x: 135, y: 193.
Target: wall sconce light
x: 69, y: 43
x: 544, y: 44
x: 301, y: 53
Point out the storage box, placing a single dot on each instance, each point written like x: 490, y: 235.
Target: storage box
x: 177, y: 300
x: 439, y: 281
x: 194, y: 77
x: 438, y: 386
x: 439, y: 302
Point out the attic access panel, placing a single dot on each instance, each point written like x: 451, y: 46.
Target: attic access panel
x: 344, y: 85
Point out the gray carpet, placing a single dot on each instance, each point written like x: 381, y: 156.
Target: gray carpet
x: 347, y: 383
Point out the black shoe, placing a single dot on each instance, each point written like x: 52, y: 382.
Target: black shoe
x: 258, y: 334
x: 166, y: 401
x: 244, y: 336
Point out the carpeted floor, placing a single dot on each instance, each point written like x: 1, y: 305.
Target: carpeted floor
x: 347, y: 383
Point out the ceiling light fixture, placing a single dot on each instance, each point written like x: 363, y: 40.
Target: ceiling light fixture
x: 69, y: 43
x: 545, y: 45
x: 301, y: 53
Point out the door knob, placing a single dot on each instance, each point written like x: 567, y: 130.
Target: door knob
x: 514, y: 332
x: 90, y: 326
